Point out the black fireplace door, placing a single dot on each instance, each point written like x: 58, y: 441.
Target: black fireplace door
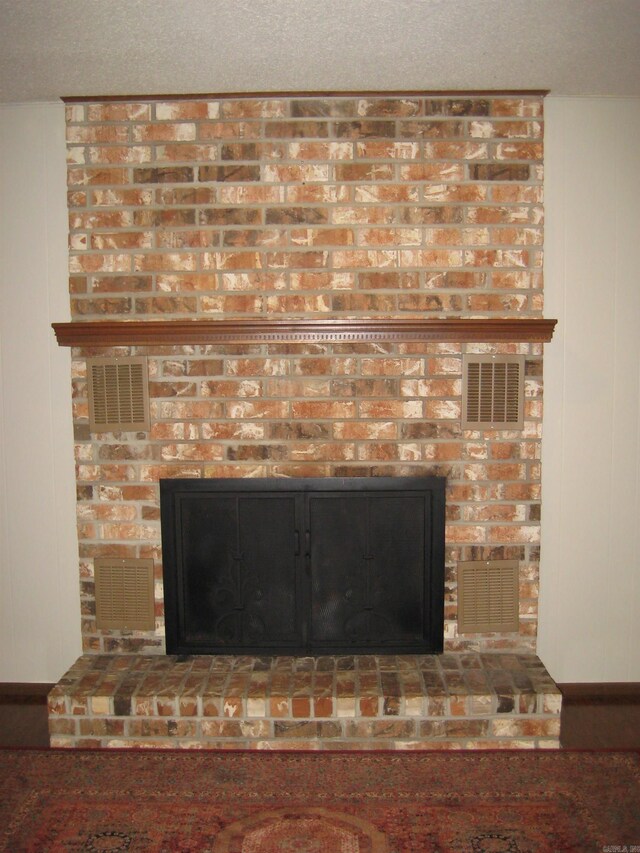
x: 238, y: 571
x: 313, y: 566
x: 368, y: 575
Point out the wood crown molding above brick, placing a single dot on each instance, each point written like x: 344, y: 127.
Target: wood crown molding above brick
x: 259, y: 330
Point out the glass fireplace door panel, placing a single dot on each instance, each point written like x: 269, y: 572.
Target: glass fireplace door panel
x: 239, y: 572
x: 337, y: 536
x: 367, y: 565
x: 397, y: 594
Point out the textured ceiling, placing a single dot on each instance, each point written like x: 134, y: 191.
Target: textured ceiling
x: 53, y: 48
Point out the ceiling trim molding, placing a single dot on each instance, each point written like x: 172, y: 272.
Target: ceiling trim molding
x: 364, y: 93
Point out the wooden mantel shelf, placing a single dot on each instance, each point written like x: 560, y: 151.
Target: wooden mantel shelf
x: 253, y: 330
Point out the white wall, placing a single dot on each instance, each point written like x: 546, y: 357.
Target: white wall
x: 39, y: 600
x: 590, y: 573
x: 590, y: 569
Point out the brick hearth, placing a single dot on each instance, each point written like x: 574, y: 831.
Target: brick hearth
x: 452, y: 701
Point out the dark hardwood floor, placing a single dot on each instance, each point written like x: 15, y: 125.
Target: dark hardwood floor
x: 601, y: 717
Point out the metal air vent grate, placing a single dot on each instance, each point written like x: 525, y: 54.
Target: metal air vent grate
x: 493, y: 392
x: 118, y: 394
x: 124, y: 594
x: 488, y: 596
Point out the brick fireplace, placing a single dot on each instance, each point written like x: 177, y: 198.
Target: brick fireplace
x: 347, y: 207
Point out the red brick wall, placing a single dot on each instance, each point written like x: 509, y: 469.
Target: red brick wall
x: 346, y: 207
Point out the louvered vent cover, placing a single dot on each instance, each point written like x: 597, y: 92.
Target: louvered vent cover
x: 124, y: 594
x: 493, y: 390
x: 118, y: 394
x: 488, y: 596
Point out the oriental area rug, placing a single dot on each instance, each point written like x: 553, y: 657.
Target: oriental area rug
x: 319, y: 802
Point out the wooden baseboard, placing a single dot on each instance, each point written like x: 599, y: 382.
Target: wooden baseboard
x: 611, y: 693
x: 23, y: 693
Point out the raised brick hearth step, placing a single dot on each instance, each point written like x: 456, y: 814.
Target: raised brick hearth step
x: 449, y: 701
